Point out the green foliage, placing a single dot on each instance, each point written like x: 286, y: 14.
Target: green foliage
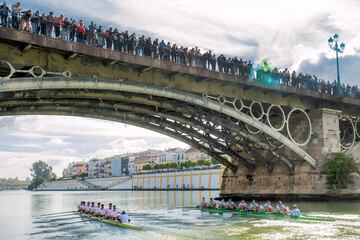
x: 83, y: 175
x: 338, y: 169
x: 41, y: 172
x: 173, y: 165
x: 147, y: 167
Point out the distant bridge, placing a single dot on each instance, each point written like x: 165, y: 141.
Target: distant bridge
x: 271, y: 138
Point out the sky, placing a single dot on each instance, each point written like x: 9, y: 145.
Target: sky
x: 290, y: 34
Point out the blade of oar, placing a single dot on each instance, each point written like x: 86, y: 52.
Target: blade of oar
x: 55, y: 213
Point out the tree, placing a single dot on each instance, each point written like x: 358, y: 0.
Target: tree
x: 40, y: 173
x: 338, y: 169
x: 173, y: 165
x: 83, y: 175
x: 147, y: 167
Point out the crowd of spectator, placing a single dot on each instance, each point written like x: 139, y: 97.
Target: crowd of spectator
x: 77, y: 31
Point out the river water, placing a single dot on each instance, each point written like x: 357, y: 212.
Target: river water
x: 161, y: 215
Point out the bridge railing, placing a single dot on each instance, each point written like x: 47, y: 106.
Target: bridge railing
x: 70, y: 30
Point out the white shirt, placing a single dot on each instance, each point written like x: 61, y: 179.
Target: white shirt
x: 124, y: 218
x: 101, y: 211
x: 114, y: 214
x: 108, y: 211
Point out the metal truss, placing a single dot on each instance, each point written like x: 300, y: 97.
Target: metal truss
x: 246, y: 132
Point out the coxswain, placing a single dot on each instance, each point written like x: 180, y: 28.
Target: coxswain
x: 243, y: 206
x: 212, y: 203
x: 295, y: 212
x: 281, y: 208
x: 230, y: 204
x: 204, y: 204
x: 254, y: 206
x: 267, y: 207
x: 124, y: 218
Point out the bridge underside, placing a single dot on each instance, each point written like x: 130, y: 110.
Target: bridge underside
x: 222, y: 132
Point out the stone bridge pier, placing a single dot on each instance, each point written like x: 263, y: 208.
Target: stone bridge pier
x: 331, y: 132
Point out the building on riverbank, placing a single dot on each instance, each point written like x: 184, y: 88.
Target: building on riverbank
x: 195, y: 179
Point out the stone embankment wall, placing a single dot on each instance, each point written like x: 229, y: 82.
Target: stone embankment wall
x: 186, y: 180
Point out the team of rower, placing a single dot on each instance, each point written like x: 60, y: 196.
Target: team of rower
x: 110, y: 213
x: 252, y: 206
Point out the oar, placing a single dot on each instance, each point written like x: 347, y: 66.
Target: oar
x: 58, y: 213
x: 57, y: 216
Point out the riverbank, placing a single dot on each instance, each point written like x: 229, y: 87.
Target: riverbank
x: 208, y: 179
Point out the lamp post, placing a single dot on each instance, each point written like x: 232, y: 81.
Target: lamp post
x: 338, y: 48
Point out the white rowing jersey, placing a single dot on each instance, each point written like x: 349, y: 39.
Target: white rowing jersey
x: 114, y: 214
x: 124, y: 218
x: 101, y: 211
x: 108, y: 212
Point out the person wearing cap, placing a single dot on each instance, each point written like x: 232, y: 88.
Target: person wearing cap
x: 124, y: 218
x: 295, y: 212
x: 81, y: 206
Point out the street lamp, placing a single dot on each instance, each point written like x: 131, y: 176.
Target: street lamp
x: 338, y: 48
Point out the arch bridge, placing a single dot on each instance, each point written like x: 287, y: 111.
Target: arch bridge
x: 273, y: 140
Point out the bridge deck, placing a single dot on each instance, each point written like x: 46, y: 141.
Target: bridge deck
x: 71, y: 49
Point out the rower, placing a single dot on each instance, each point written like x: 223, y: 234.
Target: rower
x: 114, y: 213
x: 204, y: 204
x: 212, y: 203
x: 108, y: 211
x: 87, y: 207
x: 91, y: 208
x: 95, y: 209
x: 295, y: 212
x: 280, y: 208
x: 230, y: 204
x: 101, y: 211
x: 254, y: 206
x: 124, y: 218
x: 267, y: 207
x: 222, y: 204
x: 243, y: 206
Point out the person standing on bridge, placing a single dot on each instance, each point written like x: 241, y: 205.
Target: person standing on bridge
x: 100, y: 36
x: 65, y: 29
x: 58, y: 23
x: 25, y: 20
x: 49, y: 24
x: 4, y: 13
x: 80, y: 32
x: 35, y: 22
x: 15, y: 13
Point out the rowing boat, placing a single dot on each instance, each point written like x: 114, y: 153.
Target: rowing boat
x: 263, y: 215
x: 111, y: 222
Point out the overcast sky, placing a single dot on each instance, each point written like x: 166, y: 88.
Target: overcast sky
x: 290, y: 34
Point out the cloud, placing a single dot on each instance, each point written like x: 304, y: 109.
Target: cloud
x: 57, y: 142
